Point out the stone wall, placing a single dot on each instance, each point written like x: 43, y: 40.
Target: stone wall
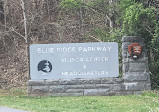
x: 135, y: 71
x: 136, y: 78
x: 79, y: 87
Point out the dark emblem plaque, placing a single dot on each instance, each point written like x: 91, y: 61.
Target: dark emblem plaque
x: 45, y: 66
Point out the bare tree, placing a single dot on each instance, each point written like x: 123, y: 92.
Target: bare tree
x: 44, y: 21
x: 1, y: 12
x: 24, y: 7
x: 111, y: 14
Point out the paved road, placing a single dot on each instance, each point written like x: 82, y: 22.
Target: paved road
x: 5, y: 109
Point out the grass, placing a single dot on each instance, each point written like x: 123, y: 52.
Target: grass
x: 17, y: 98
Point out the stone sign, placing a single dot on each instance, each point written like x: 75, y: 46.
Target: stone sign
x: 81, y: 69
x: 74, y: 60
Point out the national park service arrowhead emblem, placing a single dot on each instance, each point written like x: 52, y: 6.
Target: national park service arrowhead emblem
x: 134, y: 50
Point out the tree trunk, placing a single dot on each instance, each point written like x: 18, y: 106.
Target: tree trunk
x: 24, y: 7
x: 111, y: 15
x: 1, y: 12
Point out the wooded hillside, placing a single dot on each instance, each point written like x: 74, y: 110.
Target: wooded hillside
x: 25, y: 22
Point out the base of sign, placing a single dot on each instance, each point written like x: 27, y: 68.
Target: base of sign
x: 85, y: 87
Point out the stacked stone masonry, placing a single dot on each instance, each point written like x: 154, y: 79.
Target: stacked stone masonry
x: 136, y: 78
x: 135, y: 71
x: 83, y: 87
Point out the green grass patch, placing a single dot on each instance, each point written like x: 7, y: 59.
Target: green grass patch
x: 16, y: 98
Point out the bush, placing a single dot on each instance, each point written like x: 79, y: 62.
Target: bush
x: 142, y: 21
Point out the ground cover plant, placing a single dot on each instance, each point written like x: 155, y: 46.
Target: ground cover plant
x: 17, y: 98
